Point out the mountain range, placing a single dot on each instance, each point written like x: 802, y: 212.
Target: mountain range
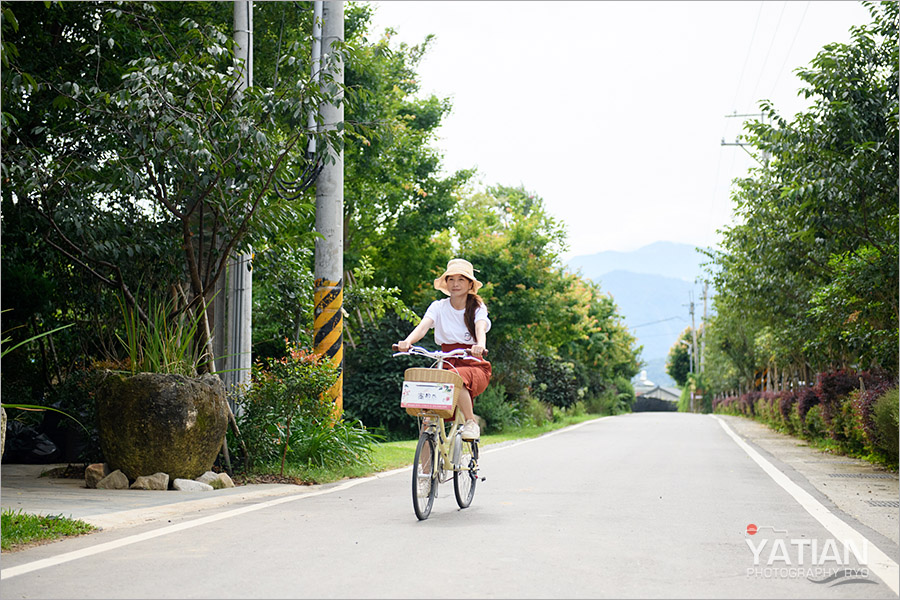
x: 653, y: 287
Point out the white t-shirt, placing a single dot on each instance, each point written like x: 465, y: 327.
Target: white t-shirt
x: 450, y: 324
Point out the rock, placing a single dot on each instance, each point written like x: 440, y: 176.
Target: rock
x: 94, y: 473
x: 207, y: 477
x: 222, y: 481
x: 161, y: 423
x: 189, y: 485
x: 114, y: 481
x: 157, y: 481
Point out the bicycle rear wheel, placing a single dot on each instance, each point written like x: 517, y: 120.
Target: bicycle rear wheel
x: 424, y: 477
x: 466, y: 476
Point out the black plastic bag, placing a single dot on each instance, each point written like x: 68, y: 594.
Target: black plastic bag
x: 25, y: 445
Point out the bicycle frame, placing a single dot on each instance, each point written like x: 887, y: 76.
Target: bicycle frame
x: 443, y: 443
x: 446, y: 446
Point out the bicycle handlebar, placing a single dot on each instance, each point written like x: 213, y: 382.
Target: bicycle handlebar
x: 436, y: 354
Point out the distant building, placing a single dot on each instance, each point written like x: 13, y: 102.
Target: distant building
x: 651, y: 397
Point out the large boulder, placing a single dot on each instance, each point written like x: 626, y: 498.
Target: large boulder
x: 160, y: 423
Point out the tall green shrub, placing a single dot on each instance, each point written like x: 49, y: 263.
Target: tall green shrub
x: 284, y: 392
x: 887, y: 420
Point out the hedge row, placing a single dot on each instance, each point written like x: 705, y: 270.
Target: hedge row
x: 856, y: 412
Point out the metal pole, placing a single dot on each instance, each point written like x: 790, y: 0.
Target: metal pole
x: 240, y: 274
x: 329, y: 261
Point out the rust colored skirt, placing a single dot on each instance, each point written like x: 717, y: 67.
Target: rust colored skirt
x: 475, y: 374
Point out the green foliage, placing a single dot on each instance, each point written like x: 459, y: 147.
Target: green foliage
x: 538, y: 308
x: 806, y: 278
x: 373, y: 379
x: 396, y: 202
x: 858, y: 421
x: 283, y: 286
x: 554, y: 382
x: 886, y: 415
x: 678, y: 363
x: 150, y: 152
x: 320, y: 444
x: 536, y: 413
x: 614, y: 400
x: 492, y: 406
x: 165, y: 344
x: 285, y: 404
x: 20, y: 528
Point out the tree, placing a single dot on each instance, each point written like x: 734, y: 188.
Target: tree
x: 678, y: 363
x: 170, y: 159
x: 811, y: 263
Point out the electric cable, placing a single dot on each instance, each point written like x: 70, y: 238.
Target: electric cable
x: 791, y: 47
x: 762, y: 69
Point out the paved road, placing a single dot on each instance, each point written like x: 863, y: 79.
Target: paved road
x: 635, y: 506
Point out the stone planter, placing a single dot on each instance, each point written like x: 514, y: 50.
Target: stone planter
x: 158, y: 423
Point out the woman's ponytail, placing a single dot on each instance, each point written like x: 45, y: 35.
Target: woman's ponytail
x: 473, y: 301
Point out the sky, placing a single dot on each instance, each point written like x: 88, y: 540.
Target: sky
x: 614, y: 112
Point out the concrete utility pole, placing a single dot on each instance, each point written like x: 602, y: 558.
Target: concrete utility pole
x: 693, y: 346
x: 329, y: 263
x: 703, y: 337
x: 240, y: 276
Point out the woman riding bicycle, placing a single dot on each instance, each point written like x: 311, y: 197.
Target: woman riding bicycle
x: 460, y: 321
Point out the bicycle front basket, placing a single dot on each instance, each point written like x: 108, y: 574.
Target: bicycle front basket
x: 430, y: 391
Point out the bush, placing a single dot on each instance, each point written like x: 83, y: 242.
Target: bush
x: 373, y: 379
x: 814, y: 425
x: 284, y: 392
x: 864, y: 405
x: 612, y: 401
x: 324, y: 444
x: 806, y: 399
x: 847, y: 426
x: 493, y: 406
x: 536, y: 413
x: 832, y: 388
x: 787, y: 405
x: 886, y: 413
x: 555, y: 382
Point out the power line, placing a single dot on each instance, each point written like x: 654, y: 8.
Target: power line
x: 791, y: 47
x: 655, y: 322
x: 762, y: 70
x: 749, y: 51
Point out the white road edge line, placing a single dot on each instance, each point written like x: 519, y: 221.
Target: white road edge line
x: 882, y: 565
x: 149, y: 535
x: 127, y: 541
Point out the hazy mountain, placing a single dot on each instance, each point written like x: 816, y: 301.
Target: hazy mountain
x: 652, y: 287
x: 670, y: 259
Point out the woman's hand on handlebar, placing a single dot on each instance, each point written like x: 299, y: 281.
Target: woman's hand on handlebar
x: 403, y: 346
x: 478, y: 351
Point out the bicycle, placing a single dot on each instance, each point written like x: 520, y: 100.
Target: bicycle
x: 431, y: 395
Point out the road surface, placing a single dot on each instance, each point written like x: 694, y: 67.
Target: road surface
x: 634, y: 506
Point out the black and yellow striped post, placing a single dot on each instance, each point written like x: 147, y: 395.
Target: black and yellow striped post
x: 329, y: 330
x: 329, y: 261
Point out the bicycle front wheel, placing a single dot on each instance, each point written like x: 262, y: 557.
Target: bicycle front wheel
x: 466, y: 475
x: 424, y: 477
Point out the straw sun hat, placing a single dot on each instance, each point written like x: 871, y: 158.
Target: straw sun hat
x: 458, y: 266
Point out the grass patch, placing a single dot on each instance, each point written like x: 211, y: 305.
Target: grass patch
x: 21, y: 530
x: 394, y: 455
x: 386, y: 456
